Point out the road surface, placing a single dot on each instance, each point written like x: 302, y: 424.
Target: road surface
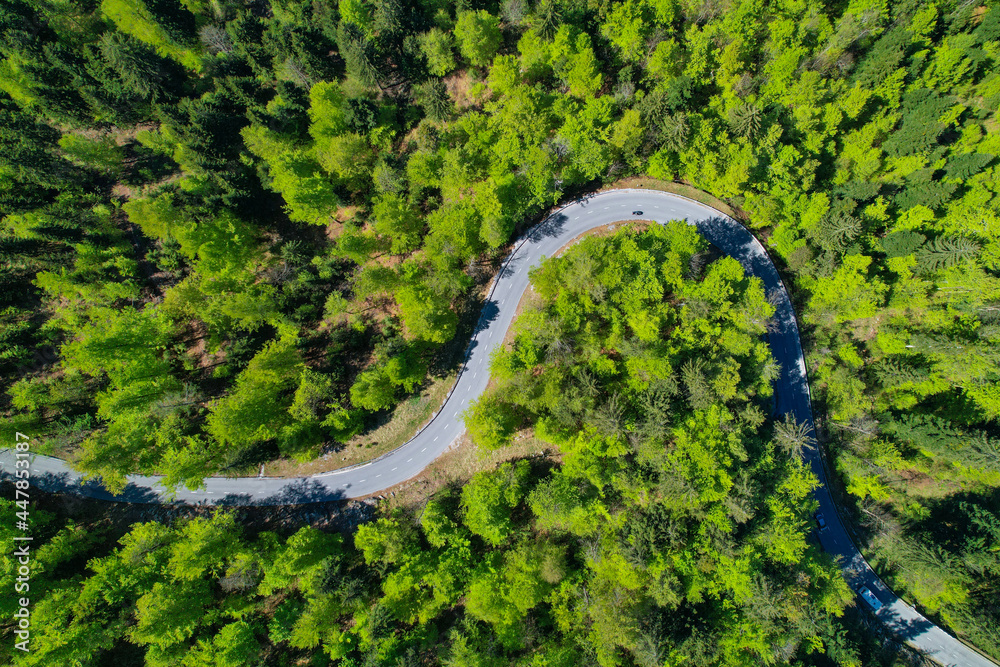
x: 544, y: 240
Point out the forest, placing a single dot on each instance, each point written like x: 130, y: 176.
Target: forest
x: 622, y: 552
x: 234, y: 233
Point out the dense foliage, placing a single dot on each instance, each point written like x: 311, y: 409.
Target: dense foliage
x: 675, y: 530
x: 236, y: 231
x: 199, y: 593
x: 688, y: 508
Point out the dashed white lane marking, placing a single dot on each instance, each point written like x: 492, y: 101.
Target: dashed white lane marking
x: 378, y: 475
x: 435, y: 439
x: 409, y: 459
x: 423, y: 450
x: 394, y: 469
x: 590, y: 212
x: 210, y: 492
x: 362, y: 481
x: 475, y: 374
x: 605, y: 208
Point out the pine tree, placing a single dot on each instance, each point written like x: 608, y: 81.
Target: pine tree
x: 432, y: 95
x: 792, y: 437
x: 965, y: 165
x: 676, y: 130
x: 902, y: 244
x: 932, y: 194
x: 945, y: 252
x: 745, y: 120
x: 547, y: 18
x: 836, y: 232
x: 699, y: 391
x: 892, y: 373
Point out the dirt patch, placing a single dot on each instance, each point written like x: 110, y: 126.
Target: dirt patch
x: 151, y: 189
x: 198, y: 351
x: 916, y: 482
x: 912, y: 483
x: 459, y: 86
x: 345, y: 213
x: 334, y: 230
x: 866, y: 329
x: 125, y: 135
x: 121, y: 192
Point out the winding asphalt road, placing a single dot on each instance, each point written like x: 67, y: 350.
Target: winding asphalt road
x: 544, y: 240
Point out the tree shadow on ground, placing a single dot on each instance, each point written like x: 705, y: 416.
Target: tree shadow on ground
x: 950, y: 522
x: 303, y: 491
x: 65, y: 483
